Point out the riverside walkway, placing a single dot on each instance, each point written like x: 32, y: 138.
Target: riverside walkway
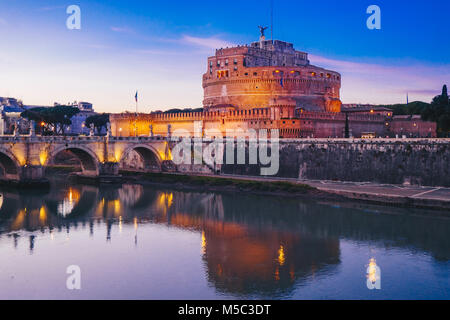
x: 427, y: 197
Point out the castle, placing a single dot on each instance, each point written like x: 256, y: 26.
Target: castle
x: 264, y: 86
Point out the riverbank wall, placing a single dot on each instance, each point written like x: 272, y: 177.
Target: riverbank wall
x: 424, y: 162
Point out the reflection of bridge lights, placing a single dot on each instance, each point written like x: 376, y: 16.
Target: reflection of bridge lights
x: 372, y: 271
x: 203, y: 242
x: 277, y: 274
x: 42, y: 215
x: 165, y: 201
x: 281, y: 258
x: 66, y: 206
x: 18, y: 221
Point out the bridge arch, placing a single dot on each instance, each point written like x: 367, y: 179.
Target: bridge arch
x: 149, y: 155
x: 9, y: 164
x: 88, y: 159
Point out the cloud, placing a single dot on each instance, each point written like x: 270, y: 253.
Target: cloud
x: 159, y: 52
x: 122, y: 29
x: 210, y: 43
x: 51, y: 8
x: 386, y: 83
x: 98, y: 46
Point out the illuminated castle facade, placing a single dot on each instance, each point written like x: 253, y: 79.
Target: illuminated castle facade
x: 269, y: 73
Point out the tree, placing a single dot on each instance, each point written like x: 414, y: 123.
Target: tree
x: 439, y: 112
x: 99, y: 121
x: 54, y: 119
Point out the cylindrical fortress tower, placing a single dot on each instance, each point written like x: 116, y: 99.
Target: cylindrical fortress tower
x: 268, y: 73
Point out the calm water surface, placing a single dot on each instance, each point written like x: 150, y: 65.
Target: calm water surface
x: 135, y: 242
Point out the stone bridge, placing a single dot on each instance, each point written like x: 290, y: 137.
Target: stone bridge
x: 24, y: 158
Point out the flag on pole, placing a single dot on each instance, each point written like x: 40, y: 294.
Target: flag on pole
x: 136, y: 96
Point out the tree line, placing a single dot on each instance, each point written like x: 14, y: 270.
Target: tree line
x: 55, y: 120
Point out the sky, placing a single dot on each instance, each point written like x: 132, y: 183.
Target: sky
x: 160, y: 48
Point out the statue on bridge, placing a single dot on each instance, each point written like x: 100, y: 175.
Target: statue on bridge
x: 16, y: 128
x: 108, y: 130
x: 151, y: 131
x: 91, y: 130
x: 32, y: 128
x: 169, y: 131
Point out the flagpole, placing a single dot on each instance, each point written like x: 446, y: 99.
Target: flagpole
x: 135, y: 120
x: 271, y: 20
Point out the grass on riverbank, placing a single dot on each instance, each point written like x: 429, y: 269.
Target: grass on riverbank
x: 207, y: 181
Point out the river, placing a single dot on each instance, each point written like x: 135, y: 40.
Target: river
x: 143, y: 242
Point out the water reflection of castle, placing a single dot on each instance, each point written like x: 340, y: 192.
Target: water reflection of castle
x: 248, y: 244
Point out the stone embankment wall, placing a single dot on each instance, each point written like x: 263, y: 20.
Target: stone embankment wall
x: 395, y: 161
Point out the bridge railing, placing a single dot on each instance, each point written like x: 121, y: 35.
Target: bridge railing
x: 60, y: 139
x: 12, y: 138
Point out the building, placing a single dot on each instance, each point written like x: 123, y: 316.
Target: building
x: 265, y: 85
x: 269, y: 73
x: 11, y: 109
x: 412, y: 126
x: 367, y: 109
x: 78, y: 120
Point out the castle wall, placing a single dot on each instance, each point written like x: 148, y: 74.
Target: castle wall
x: 291, y: 123
x: 311, y: 88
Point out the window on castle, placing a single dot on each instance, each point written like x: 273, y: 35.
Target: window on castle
x: 246, y: 73
x: 222, y: 73
x: 278, y: 73
x: 328, y: 75
x: 313, y: 74
x: 255, y: 73
x: 226, y: 62
x: 235, y: 61
x: 235, y: 68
